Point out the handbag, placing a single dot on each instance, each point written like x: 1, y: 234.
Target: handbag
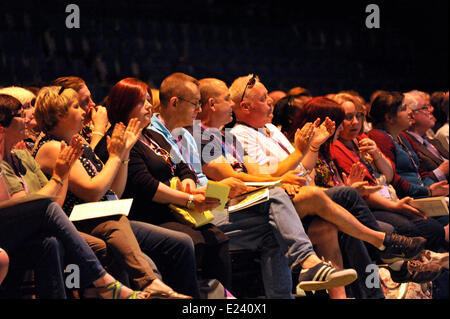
x: 186, y: 216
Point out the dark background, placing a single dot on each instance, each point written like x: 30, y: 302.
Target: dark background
x: 322, y: 45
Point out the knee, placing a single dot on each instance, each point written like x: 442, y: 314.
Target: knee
x: 312, y: 193
x: 322, y: 231
x: 4, y: 259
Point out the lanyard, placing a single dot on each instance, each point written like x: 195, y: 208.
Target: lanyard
x: 407, y: 150
x: 163, y: 153
x: 19, y: 175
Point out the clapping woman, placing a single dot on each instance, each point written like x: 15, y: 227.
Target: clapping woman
x: 59, y: 115
x: 40, y: 219
x: 150, y: 170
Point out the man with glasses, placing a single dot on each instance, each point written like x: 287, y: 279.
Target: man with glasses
x: 433, y: 155
x: 280, y: 246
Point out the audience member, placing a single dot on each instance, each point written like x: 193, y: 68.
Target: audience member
x: 150, y: 171
x: 274, y: 151
x: 440, y: 102
x: 391, y: 116
x: 61, y: 118
x: 95, y: 119
x: 275, y: 221
x: 45, y: 219
x: 432, y: 154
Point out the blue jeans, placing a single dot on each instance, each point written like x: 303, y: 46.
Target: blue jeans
x: 45, y: 256
x: 174, y: 254
x: 25, y: 222
x: 273, y: 228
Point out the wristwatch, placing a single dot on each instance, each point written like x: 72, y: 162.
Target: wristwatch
x: 190, y: 203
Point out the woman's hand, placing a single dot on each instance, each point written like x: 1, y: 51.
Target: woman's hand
x: 132, y: 133
x: 303, y: 136
x: 202, y: 203
x: 99, y: 118
x: 116, y: 143
x: 67, y: 156
x: 364, y: 189
x: 323, y: 132
x: 357, y: 173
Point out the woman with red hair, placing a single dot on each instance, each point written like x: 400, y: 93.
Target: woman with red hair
x: 149, y: 173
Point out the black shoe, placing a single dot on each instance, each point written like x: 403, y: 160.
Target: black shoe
x: 400, y: 247
x: 324, y: 276
x: 416, y: 271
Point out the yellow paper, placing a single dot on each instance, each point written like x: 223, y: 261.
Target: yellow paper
x: 219, y: 191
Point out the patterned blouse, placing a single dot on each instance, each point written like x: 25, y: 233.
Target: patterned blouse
x: 91, y: 163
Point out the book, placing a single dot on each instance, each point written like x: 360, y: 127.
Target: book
x: 24, y: 199
x: 219, y: 191
x: 101, y: 209
x: 432, y: 206
x: 247, y: 200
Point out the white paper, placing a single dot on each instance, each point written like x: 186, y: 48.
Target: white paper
x: 263, y: 184
x: 101, y: 209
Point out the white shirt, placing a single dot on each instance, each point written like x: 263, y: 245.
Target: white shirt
x: 264, y: 149
x: 442, y: 135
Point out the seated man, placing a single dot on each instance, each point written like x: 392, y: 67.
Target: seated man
x: 274, y: 154
x: 272, y: 227
x: 432, y: 154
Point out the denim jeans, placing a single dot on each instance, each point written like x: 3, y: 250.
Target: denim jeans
x: 25, y: 222
x: 273, y: 228
x: 174, y: 254
x: 46, y: 257
x: 428, y: 228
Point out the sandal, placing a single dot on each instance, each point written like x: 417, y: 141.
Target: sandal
x: 158, y: 294
x: 116, y: 288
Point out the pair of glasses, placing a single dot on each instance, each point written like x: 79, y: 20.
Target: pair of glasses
x: 61, y: 90
x: 426, y: 108
x: 359, y: 116
x: 197, y: 104
x: 249, y: 85
x: 19, y: 113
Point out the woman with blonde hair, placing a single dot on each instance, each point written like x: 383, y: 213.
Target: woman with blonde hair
x: 60, y: 117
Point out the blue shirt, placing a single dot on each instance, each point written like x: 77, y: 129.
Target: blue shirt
x: 184, y: 147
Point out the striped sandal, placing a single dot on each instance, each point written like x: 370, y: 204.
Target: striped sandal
x: 116, y: 288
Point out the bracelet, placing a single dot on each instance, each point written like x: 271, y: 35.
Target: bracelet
x: 57, y: 180
x: 190, y: 202
x: 430, y: 193
x: 125, y: 162
x: 98, y: 133
x: 314, y: 149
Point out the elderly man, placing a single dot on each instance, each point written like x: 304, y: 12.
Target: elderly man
x: 433, y: 155
x: 273, y: 153
x: 272, y: 227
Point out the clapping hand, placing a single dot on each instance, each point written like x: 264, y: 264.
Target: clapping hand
x: 303, y: 136
x: 67, y: 156
x: 323, y: 132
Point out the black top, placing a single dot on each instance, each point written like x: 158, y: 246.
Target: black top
x: 91, y: 163
x: 146, y: 170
